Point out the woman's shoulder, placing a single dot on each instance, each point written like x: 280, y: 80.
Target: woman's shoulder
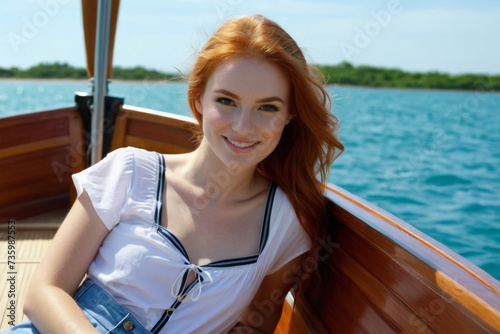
x: 131, y: 152
x: 287, y: 237
x: 281, y: 202
x: 134, y: 157
x: 132, y: 163
x: 283, y: 215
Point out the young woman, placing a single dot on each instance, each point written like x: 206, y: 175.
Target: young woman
x: 210, y: 241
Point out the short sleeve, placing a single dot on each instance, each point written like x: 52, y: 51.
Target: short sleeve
x: 291, y: 240
x: 107, y: 183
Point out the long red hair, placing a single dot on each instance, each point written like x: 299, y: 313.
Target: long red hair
x: 309, y: 143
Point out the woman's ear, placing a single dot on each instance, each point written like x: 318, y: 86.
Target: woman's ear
x: 198, y: 104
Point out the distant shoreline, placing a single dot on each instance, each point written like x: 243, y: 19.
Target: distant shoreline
x: 346, y: 73
x: 163, y: 82
x: 417, y: 89
x: 85, y: 80
x: 43, y: 79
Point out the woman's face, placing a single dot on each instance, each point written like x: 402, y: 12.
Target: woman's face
x: 245, y: 109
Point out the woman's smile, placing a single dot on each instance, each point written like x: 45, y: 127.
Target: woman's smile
x: 239, y: 146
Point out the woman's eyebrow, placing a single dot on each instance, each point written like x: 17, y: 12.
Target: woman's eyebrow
x: 271, y: 99
x: 226, y: 92
x: 263, y: 100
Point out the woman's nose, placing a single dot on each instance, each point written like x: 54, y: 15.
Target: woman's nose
x: 243, y: 121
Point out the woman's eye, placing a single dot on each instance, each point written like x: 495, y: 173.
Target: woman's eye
x: 269, y: 107
x: 225, y: 101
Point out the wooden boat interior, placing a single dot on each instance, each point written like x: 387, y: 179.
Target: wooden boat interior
x: 38, y: 154
x: 377, y: 273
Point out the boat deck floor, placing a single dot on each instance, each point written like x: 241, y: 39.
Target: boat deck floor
x: 32, y: 238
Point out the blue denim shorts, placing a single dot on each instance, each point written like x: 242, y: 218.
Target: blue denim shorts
x: 105, y: 314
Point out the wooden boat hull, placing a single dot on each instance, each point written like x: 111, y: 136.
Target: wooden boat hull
x: 380, y: 276
x: 387, y: 277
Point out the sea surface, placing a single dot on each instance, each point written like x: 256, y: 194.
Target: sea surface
x: 432, y: 158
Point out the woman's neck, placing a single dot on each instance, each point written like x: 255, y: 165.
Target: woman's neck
x: 218, y: 181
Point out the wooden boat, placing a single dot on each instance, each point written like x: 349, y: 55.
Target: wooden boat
x: 384, y: 276
x: 378, y: 275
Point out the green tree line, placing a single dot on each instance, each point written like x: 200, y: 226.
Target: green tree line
x: 65, y: 71
x: 347, y: 74
x: 341, y: 74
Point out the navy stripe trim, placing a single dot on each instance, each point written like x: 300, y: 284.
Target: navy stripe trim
x: 159, y: 206
x: 165, y: 317
x: 168, y: 313
x: 159, y: 190
x: 264, y: 234
x: 174, y: 241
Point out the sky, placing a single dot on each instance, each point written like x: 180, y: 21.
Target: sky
x: 455, y: 37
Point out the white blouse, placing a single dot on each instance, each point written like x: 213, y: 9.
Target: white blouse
x: 145, y: 267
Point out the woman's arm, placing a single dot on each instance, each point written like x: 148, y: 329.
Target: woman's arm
x: 49, y: 303
x: 264, y: 312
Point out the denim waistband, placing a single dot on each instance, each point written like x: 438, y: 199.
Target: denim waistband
x: 104, y: 312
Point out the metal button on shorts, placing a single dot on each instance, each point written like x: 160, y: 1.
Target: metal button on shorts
x: 128, y: 325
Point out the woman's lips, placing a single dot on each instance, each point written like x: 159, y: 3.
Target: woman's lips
x: 240, y: 146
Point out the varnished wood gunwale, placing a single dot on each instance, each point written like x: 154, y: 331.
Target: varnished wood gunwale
x: 389, y: 224
x: 406, y: 272
x: 417, y: 250
x: 152, y: 130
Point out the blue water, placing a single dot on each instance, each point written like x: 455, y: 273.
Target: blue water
x: 431, y: 158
